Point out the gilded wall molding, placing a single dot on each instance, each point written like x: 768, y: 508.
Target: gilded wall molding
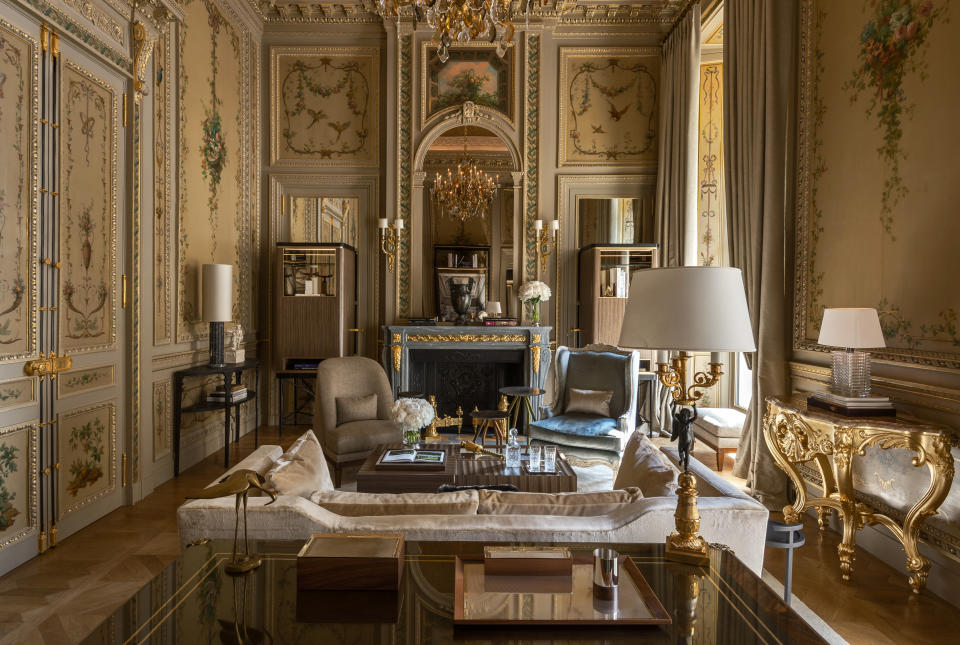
x: 531, y: 146
x: 98, y: 19
x: 405, y: 52
x: 68, y: 24
x: 164, y: 180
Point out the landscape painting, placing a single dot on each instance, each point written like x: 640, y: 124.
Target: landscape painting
x: 475, y: 74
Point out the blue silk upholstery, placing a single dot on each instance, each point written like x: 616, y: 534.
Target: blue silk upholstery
x: 587, y: 425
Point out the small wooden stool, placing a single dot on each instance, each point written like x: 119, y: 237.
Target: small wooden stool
x: 489, y: 420
x: 521, y: 394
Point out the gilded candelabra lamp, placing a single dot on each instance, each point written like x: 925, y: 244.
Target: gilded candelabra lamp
x: 391, y: 236
x: 687, y: 309
x: 546, y: 241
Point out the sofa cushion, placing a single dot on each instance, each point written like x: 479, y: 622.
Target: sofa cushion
x: 358, y: 436
x: 568, y: 504
x: 352, y: 504
x: 600, y: 371
x: 595, y: 402
x: 356, y: 408
x: 644, y: 466
x: 301, y: 470
x: 720, y: 422
x: 579, y: 430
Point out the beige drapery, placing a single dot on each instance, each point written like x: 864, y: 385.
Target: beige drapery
x: 759, y: 104
x: 676, y: 204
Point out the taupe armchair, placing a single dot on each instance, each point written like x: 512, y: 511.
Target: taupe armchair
x: 352, y: 442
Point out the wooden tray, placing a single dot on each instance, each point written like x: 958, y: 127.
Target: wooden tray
x: 474, y: 604
x: 413, y: 465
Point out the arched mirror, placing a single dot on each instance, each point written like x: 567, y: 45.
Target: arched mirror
x: 469, y: 224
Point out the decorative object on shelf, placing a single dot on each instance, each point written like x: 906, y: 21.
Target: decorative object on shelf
x: 412, y: 415
x: 546, y: 241
x: 463, y: 22
x: 239, y: 484
x: 235, y: 353
x: 461, y: 294
x: 851, y: 328
x: 532, y: 293
x: 687, y: 309
x: 217, y: 292
x: 467, y: 193
x: 391, y: 236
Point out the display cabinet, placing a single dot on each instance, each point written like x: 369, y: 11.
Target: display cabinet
x: 604, y: 286
x: 315, y: 310
x: 467, y: 265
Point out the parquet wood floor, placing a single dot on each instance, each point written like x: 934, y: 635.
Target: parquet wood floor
x: 59, y: 597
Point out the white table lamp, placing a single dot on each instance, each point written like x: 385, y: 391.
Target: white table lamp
x: 217, y: 305
x: 851, y: 328
x: 493, y: 308
x: 687, y: 309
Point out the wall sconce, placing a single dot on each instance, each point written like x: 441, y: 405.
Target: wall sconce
x: 546, y: 242
x: 390, y: 235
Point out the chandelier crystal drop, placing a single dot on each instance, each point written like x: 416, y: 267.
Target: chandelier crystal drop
x: 460, y: 21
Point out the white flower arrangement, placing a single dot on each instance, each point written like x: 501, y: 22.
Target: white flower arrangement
x: 534, y: 291
x: 412, y: 413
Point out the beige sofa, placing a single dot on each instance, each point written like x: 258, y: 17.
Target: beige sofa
x: 727, y: 517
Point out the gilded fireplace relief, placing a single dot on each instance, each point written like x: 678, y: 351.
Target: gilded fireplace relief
x: 18, y: 481
x: 162, y: 423
x: 16, y: 393
x: 215, y: 156
x: 87, y: 445
x: 325, y: 110
x: 84, y: 380
x: 17, y: 97
x: 473, y: 74
x: 87, y: 215
x: 881, y: 86
x: 608, y: 107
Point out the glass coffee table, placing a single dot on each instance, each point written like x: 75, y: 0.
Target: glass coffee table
x: 192, y: 601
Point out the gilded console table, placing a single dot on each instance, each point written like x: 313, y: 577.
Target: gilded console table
x: 796, y: 434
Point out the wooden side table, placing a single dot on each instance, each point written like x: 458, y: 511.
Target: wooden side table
x: 231, y: 373
x: 796, y: 434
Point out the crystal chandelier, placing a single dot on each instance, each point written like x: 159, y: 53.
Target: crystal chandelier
x: 467, y: 193
x: 460, y: 20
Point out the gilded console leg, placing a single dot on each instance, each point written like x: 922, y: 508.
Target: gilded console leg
x: 847, y: 547
x: 773, y: 434
x: 939, y: 461
x: 843, y: 450
x: 823, y: 516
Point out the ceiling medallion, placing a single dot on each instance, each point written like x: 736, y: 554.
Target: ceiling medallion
x: 466, y: 193
x: 462, y: 21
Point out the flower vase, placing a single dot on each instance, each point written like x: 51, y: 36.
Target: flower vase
x: 534, y: 306
x: 411, y: 437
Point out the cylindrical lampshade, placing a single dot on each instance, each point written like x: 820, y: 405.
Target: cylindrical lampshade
x: 217, y: 292
x: 493, y: 308
x: 693, y: 309
x: 853, y: 327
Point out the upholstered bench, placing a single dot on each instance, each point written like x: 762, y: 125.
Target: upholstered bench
x: 719, y: 429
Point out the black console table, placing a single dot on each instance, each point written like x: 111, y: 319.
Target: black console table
x: 231, y: 374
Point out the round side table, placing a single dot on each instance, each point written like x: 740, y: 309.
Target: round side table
x: 521, y: 394
x: 489, y: 420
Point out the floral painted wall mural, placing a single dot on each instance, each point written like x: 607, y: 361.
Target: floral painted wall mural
x: 711, y: 233
x: 8, y: 466
x: 87, y: 445
x: 878, y: 164
x: 608, y: 106
x: 88, y: 238
x: 216, y: 194
x: 87, y: 468
x: 324, y: 105
x: 18, y: 482
x: 17, y: 207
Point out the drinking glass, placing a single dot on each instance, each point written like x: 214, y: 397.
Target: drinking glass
x: 536, y: 456
x: 549, y: 459
x: 606, y: 572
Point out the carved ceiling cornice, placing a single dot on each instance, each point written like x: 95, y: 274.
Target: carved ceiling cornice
x: 563, y: 12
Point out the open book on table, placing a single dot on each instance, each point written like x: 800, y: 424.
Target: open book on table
x: 412, y: 456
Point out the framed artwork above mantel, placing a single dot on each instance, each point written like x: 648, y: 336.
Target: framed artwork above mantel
x: 474, y: 73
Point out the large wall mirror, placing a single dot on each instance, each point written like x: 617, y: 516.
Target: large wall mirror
x: 614, y: 220
x: 472, y: 254
x: 323, y: 219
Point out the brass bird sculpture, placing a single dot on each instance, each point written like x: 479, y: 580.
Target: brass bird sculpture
x: 239, y: 483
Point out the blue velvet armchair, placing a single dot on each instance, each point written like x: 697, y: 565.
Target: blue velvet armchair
x: 595, y: 367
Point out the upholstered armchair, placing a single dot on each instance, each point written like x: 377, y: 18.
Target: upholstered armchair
x: 349, y: 434
x: 595, y: 367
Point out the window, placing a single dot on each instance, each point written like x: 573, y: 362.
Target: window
x: 744, y: 383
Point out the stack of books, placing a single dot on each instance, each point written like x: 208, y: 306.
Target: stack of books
x: 232, y: 393
x: 422, y: 321
x: 853, y: 406
x: 500, y: 322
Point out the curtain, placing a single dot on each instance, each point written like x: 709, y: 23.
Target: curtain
x: 759, y: 95
x: 676, y: 203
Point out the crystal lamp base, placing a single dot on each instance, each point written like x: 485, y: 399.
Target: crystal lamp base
x: 851, y: 373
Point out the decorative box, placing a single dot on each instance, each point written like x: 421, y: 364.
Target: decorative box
x: 345, y: 561
x: 234, y: 355
x: 527, y: 561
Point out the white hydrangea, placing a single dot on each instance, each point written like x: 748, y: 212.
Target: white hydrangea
x: 412, y: 413
x: 534, y: 290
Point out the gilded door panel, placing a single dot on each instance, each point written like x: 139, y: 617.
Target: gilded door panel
x: 87, y: 454
x: 18, y: 482
x: 19, y: 120
x: 88, y: 212
x: 18, y: 392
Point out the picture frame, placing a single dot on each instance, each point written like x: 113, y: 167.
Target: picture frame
x: 474, y: 73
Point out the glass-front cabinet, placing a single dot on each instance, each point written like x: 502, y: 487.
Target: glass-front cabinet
x: 604, y: 286
x: 309, y: 271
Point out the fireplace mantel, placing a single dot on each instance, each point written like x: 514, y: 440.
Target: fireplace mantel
x: 400, y: 340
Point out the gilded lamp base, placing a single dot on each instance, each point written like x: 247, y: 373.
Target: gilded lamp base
x: 242, y: 564
x: 684, y: 545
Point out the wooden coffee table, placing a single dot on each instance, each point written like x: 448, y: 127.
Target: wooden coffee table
x: 415, y: 480
x: 461, y: 470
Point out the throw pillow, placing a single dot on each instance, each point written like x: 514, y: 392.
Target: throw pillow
x: 568, y: 504
x: 352, y: 504
x: 301, y: 470
x: 356, y: 408
x: 643, y: 465
x: 589, y: 401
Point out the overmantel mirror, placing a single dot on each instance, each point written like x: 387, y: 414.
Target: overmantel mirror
x: 469, y: 224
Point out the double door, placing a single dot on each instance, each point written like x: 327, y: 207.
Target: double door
x: 62, y: 306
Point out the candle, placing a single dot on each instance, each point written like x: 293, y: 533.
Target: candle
x: 715, y: 357
x: 399, y: 224
x: 556, y: 225
x: 382, y: 222
x: 538, y: 225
